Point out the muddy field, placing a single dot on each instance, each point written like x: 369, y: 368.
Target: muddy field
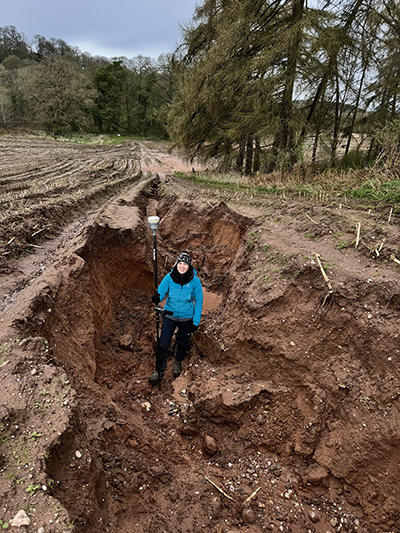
x: 286, y: 417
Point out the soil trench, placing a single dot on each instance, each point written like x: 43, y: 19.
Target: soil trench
x: 277, y: 405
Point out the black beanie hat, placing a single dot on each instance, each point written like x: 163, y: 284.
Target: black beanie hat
x: 184, y: 257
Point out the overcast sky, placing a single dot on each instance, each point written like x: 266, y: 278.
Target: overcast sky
x: 103, y: 27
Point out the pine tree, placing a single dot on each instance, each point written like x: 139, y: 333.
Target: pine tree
x: 293, y: 34
x: 225, y: 96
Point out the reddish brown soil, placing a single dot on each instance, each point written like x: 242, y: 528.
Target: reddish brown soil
x: 279, y: 395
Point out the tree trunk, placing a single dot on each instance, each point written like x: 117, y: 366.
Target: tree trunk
x: 226, y: 164
x: 320, y: 90
x: 327, y: 73
x: 373, y: 150
x: 336, y: 122
x: 316, y: 140
x: 318, y: 128
x: 371, y: 147
x: 353, y: 120
x: 284, y: 138
x: 240, y: 156
x: 249, y: 156
x: 394, y: 101
x: 3, y: 114
x: 257, y: 153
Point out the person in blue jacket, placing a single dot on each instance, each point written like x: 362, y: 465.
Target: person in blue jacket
x: 185, y: 302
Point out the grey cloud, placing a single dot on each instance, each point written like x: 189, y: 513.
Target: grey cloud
x: 123, y: 25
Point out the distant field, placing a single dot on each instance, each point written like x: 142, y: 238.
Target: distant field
x: 45, y: 184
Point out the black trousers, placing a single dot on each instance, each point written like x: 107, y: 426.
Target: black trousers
x: 183, y: 338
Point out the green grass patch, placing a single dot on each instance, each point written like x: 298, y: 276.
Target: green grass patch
x: 323, y: 188
x: 355, y: 159
x: 32, y: 489
x: 107, y: 139
x: 232, y: 185
x: 342, y: 245
x: 35, y: 436
x: 327, y: 265
x: 21, y: 456
x: 277, y: 257
x: 253, y: 238
x: 14, y: 478
x: 378, y: 191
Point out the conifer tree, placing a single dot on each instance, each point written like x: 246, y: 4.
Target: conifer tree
x: 225, y: 95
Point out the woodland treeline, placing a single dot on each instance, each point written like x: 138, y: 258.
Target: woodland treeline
x: 50, y: 85
x: 254, y: 85
x: 265, y: 84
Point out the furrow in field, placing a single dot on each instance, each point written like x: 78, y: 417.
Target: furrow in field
x: 20, y: 232
x: 17, y: 205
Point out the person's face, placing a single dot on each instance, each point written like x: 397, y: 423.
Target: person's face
x: 182, y: 267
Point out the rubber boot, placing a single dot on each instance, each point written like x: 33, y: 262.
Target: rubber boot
x: 177, y: 369
x: 153, y: 379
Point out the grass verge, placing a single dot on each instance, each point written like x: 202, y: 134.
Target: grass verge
x: 354, y: 184
x: 107, y: 139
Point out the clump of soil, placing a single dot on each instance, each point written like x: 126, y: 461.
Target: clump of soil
x: 285, y: 417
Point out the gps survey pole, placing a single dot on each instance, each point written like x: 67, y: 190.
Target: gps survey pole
x: 154, y: 222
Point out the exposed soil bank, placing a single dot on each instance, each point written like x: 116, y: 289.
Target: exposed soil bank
x: 275, y: 395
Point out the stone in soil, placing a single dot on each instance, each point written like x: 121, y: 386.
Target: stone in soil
x: 126, y: 341
x: 189, y: 431
x: 210, y: 445
x: 20, y: 519
x: 314, y: 517
x: 249, y: 516
x: 315, y: 474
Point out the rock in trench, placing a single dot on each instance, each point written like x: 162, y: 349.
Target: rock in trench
x: 314, y: 517
x: 249, y: 516
x: 20, y: 519
x: 315, y: 475
x: 189, y: 431
x: 210, y: 445
x: 126, y: 341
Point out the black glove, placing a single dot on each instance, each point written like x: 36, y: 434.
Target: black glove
x: 155, y: 298
x: 194, y: 328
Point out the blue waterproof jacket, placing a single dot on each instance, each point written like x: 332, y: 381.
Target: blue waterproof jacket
x: 185, y: 301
